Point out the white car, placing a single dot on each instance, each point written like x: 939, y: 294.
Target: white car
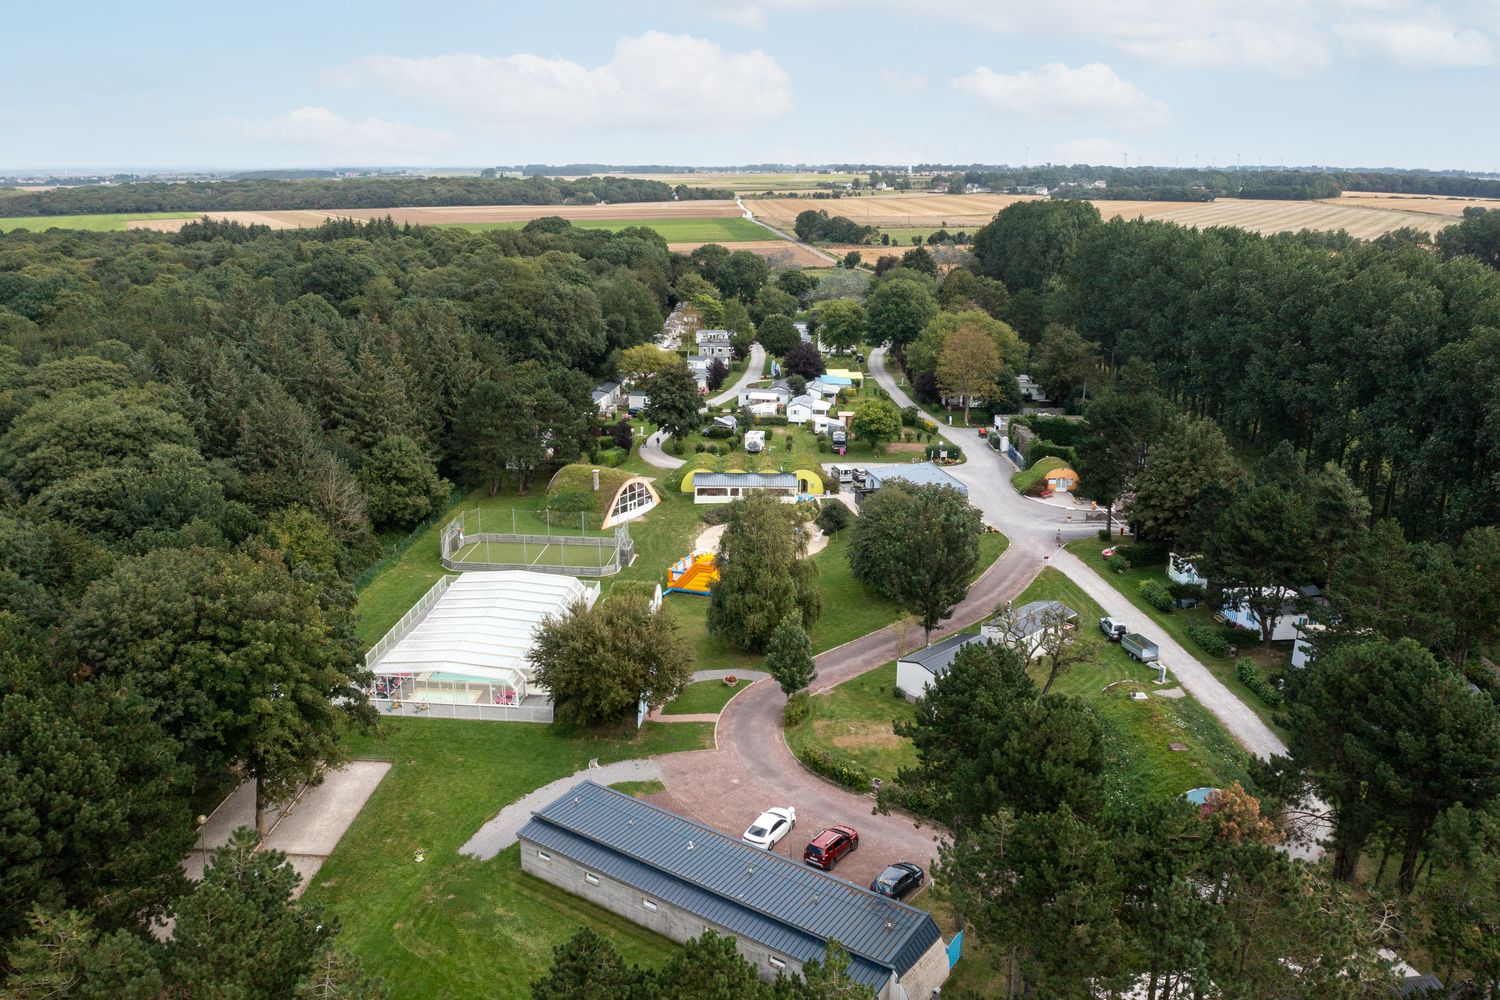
x: 770, y: 826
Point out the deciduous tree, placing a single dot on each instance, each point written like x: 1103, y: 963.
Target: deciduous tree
x: 598, y: 663
x: 762, y: 580
x: 789, y: 656
x: 918, y: 546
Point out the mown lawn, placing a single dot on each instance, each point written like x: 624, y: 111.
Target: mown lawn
x: 703, y: 697
x: 1027, y: 478
x: 1146, y: 728
x: 854, y: 719
x: 1271, y: 661
x: 450, y: 925
x: 712, y: 229
x: 102, y: 222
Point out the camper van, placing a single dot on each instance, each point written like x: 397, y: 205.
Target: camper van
x: 839, y: 436
x: 842, y: 473
x: 755, y: 441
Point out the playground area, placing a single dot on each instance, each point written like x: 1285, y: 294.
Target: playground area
x: 534, y: 540
x: 694, y: 575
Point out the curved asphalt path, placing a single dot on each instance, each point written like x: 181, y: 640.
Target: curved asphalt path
x: 751, y: 767
x: 754, y: 372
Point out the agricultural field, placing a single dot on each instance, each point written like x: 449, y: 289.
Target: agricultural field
x: 1431, y: 204
x: 1365, y: 216
x: 752, y: 183
x: 92, y: 223
x: 468, y: 214
x: 673, y: 230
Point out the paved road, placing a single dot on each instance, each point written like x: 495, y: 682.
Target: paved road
x: 1033, y: 527
x: 500, y: 832
x: 652, y: 453
x: 751, y: 768
x: 754, y: 371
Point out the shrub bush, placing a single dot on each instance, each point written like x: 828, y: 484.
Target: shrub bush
x: 836, y: 769
x: 910, y: 416
x: 823, y: 445
x: 698, y: 446
x: 1188, y: 590
x: 1145, y: 553
x: 798, y: 708
x: 1119, y: 564
x: 1068, y: 433
x: 1046, y: 449
x: 771, y: 421
x: 1154, y: 593
x: 1209, y: 640
x: 894, y: 795
x: 1250, y: 675
x: 835, y: 516
x: 1103, y: 534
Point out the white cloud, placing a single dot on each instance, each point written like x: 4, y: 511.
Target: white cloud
x: 309, y: 129
x: 1419, y: 45
x: 1094, y: 150
x: 651, y: 79
x: 1092, y: 92
x: 1290, y: 38
x: 894, y: 79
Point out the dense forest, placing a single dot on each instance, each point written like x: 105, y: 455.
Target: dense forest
x: 205, y: 439
x: 355, y: 192
x: 1380, y: 357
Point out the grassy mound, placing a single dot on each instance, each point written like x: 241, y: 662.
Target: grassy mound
x: 566, y: 492
x: 1028, y: 478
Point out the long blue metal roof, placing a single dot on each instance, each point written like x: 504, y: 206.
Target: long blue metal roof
x: 778, y: 902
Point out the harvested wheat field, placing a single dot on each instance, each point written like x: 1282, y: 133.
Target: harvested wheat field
x: 462, y: 214
x: 779, y: 253
x: 1430, y: 204
x: 908, y: 211
x: 956, y: 211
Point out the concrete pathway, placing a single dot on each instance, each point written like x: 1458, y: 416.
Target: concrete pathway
x: 754, y: 371
x: 653, y: 455
x: 500, y: 832
x: 307, y: 830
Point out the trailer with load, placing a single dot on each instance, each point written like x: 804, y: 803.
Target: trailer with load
x: 1139, y: 647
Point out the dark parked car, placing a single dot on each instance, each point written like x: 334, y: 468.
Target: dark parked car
x: 899, y: 880
x: 827, y: 847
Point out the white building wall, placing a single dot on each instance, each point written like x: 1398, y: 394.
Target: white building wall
x: 912, y: 678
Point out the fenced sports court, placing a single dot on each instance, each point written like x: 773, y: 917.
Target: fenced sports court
x: 536, y: 540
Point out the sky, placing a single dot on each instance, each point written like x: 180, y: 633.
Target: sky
x: 157, y: 85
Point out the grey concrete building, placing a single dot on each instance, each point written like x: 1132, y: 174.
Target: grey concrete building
x: 681, y: 878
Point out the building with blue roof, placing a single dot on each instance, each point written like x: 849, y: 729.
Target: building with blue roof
x: 681, y: 878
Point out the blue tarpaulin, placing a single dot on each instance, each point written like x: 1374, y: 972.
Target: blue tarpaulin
x: 955, y: 949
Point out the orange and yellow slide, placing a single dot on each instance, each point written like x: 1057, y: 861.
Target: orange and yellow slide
x: 694, y: 575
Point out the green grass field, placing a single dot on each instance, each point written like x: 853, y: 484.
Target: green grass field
x: 702, y: 697
x: 854, y: 719
x: 452, y: 926
x: 706, y: 230
x: 92, y: 223
x: 530, y: 554
x: 1271, y: 660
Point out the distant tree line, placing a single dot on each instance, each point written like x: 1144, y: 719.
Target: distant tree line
x: 817, y: 226
x: 356, y: 192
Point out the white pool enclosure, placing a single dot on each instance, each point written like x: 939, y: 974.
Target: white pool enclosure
x: 463, y: 650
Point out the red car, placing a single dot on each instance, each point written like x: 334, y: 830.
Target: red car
x: 827, y: 847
